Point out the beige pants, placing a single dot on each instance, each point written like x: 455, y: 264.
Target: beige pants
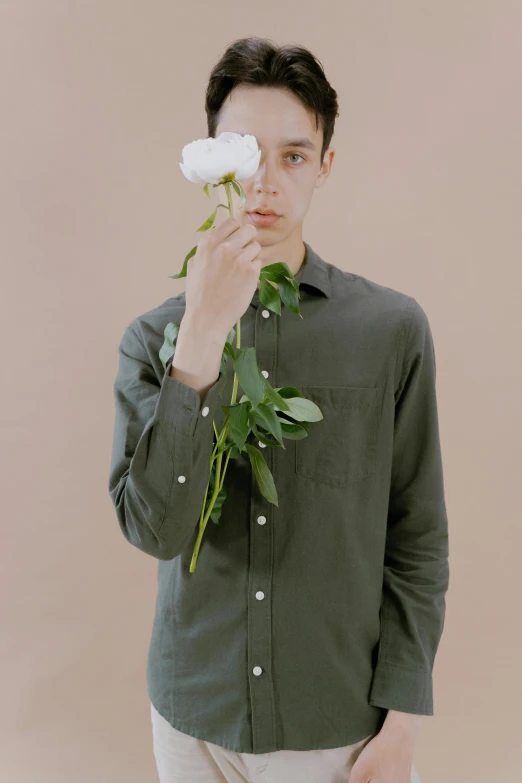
x: 181, y: 758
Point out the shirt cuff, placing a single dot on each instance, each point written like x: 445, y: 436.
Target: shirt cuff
x: 406, y: 690
x: 181, y: 406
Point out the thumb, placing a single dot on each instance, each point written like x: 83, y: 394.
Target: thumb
x: 359, y: 774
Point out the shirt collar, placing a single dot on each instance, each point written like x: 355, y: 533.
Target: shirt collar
x: 313, y: 273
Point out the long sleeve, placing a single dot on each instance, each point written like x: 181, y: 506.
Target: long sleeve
x: 416, y: 567
x: 160, y: 435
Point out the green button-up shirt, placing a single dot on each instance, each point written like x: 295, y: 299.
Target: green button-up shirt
x: 303, y: 623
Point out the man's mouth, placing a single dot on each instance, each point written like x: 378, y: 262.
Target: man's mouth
x: 261, y: 211
x: 263, y: 219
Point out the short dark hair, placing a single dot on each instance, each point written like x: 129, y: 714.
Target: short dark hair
x: 261, y: 62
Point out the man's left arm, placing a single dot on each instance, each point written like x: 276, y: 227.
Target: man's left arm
x: 416, y: 568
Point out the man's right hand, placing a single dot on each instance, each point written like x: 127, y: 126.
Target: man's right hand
x: 222, y: 276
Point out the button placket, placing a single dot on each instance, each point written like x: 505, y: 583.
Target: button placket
x: 260, y: 574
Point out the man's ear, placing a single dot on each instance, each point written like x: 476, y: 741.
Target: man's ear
x: 326, y: 167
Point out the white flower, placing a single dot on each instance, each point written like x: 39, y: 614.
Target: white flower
x: 230, y: 156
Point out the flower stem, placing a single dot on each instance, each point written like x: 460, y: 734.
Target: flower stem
x: 220, y: 477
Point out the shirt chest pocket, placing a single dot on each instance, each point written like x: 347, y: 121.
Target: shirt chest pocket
x: 342, y: 447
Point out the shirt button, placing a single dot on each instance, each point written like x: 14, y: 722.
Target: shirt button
x: 205, y: 410
x: 260, y: 595
x: 181, y: 479
x: 257, y: 670
x: 261, y: 520
x: 263, y: 445
x: 265, y: 313
x: 264, y: 372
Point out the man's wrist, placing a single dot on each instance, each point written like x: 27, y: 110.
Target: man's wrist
x: 195, y: 323
x: 406, y: 721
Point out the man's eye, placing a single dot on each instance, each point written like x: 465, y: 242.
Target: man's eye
x: 295, y: 155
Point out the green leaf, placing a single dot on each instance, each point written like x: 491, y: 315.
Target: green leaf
x: 229, y: 349
x: 288, y: 290
x: 226, y: 411
x: 279, y: 271
x: 210, y: 220
x: 168, y: 348
x: 272, y: 396
x: 262, y: 473
x: 259, y: 434
x: 268, y: 418
x: 223, y: 367
x: 231, y: 335
x: 289, y: 391
x: 183, y: 272
x: 302, y: 409
x: 289, y: 297
x: 269, y: 296
x: 205, y: 188
x: 239, y: 190
x: 171, y: 332
x: 235, y: 453
x: 293, y: 431
x: 239, y: 427
x: 217, y: 508
x: 249, y: 375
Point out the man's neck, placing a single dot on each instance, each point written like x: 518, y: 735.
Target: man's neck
x: 291, y: 251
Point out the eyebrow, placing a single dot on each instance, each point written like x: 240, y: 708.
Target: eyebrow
x: 303, y: 142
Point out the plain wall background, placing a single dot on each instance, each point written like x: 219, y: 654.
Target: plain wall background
x: 98, y: 98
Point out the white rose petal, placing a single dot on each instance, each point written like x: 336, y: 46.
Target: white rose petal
x: 231, y: 155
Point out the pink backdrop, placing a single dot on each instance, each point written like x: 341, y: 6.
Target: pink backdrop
x: 424, y: 196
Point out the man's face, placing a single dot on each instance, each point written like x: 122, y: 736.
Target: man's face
x: 288, y: 173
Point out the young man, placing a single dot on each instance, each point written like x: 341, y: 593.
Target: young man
x: 302, y: 646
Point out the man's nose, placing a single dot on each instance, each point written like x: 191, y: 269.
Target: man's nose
x: 266, y: 176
